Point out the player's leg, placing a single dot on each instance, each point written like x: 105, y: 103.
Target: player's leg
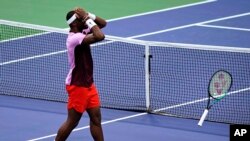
x: 95, y: 123
x: 67, y: 127
x: 77, y: 101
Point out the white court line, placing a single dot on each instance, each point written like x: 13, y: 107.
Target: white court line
x: 199, y: 100
x: 44, y: 55
x: 142, y: 114
x: 136, y: 115
x: 224, y: 27
x: 137, y: 36
x: 86, y: 127
x: 23, y: 37
x: 32, y: 57
x: 162, y: 10
x: 110, y: 20
x: 126, y: 17
x: 191, y: 25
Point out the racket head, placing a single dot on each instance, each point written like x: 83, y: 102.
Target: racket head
x: 219, y: 84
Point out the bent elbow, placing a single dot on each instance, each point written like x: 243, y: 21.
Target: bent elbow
x: 100, y: 37
x: 104, y: 24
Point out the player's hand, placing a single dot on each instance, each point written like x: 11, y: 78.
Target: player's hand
x: 81, y: 13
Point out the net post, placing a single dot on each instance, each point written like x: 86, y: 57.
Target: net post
x: 147, y: 77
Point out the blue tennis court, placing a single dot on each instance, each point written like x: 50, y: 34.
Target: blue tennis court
x: 178, y: 87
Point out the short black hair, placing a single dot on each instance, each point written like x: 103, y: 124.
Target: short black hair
x: 69, y: 15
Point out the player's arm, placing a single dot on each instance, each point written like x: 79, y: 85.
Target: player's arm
x: 96, y: 33
x: 98, y: 20
x: 83, y: 15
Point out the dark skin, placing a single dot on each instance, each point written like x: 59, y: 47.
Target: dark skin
x: 74, y: 117
x: 79, y: 25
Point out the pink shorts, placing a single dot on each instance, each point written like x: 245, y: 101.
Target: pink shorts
x: 82, y: 98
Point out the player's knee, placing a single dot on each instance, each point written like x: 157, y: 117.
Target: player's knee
x: 75, y: 123
x: 96, y: 120
x: 72, y: 123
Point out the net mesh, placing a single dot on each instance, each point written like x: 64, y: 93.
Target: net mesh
x: 34, y: 65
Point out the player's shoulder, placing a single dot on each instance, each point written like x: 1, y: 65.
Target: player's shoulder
x: 75, y: 36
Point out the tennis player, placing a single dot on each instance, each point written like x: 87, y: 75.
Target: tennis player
x: 82, y: 93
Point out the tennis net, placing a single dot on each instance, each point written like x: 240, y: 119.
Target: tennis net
x: 163, y: 78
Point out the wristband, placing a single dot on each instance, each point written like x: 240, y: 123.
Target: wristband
x: 90, y: 23
x: 92, y: 16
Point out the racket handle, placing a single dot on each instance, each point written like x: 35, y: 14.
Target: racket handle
x: 203, y: 117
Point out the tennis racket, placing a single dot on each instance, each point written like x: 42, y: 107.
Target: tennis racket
x: 219, y: 84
